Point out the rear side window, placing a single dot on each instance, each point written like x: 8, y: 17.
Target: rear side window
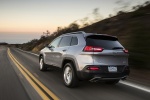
x: 105, y: 42
x: 65, y: 41
x: 74, y: 41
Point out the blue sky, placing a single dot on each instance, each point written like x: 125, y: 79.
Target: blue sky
x: 37, y: 16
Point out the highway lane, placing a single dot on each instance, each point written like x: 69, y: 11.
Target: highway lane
x: 86, y: 91
x: 11, y: 87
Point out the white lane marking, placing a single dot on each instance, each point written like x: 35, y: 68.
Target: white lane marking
x: 28, y: 52
x: 144, y: 88
x: 137, y: 86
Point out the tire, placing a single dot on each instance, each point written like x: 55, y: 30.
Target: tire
x: 43, y: 66
x: 112, y: 82
x: 69, y: 76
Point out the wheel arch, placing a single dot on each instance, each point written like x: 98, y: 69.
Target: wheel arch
x: 68, y: 60
x: 41, y: 55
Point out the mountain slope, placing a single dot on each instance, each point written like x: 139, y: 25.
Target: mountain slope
x: 132, y: 29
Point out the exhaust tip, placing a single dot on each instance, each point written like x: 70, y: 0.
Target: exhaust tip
x: 95, y: 79
x: 124, y: 78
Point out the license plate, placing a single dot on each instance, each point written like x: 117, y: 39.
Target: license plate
x: 112, y: 69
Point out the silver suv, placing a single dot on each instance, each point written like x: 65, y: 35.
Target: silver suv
x: 86, y: 56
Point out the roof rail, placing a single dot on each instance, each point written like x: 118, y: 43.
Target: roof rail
x: 78, y: 32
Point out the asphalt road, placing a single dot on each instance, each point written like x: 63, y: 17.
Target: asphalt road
x: 14, y: 86
x: 11, y: 87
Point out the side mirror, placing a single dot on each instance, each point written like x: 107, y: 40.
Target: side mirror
x: 49, y: 46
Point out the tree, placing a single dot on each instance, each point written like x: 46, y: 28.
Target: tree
x: 85, y: 22
x: 147, y: 3
x: 73, y: 26
x: 97, y: 16
x: 123, y: 5
x: 120, y: 12
x: 136, y: 7
x: 110, y: 15
x: 47, y: 33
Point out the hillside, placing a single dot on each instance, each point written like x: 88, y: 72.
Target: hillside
x: 3, y: 43
x: 132, y: 29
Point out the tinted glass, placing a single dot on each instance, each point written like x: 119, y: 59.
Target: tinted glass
x: 105, y: 42
x: 55, y: 43
x: 65, y: 41
x: 74, y: 41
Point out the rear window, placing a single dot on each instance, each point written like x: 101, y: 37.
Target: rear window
x: 106, y: 42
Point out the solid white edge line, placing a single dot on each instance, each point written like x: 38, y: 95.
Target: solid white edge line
x: 28, y: 52
x: 137, y: 86
x: 144, y: 88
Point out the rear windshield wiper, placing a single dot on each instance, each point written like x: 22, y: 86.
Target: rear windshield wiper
x: 114, y: 48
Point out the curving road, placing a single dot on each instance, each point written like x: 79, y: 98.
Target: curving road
x: 15, y: 86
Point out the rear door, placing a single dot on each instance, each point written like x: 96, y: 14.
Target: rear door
x: 112, y: 54
x: 61, y: 50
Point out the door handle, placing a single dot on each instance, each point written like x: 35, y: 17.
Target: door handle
x: 64, y: 50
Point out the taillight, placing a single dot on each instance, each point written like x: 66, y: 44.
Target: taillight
x: 93, y: 68
x: 126, y: 51
x: 92, y: 49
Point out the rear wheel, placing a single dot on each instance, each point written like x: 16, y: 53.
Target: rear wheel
x: 69, y: 76
x: 111, y: 82
x: 42, y: 65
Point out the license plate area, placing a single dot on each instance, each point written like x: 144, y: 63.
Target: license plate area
x: 112, y: 69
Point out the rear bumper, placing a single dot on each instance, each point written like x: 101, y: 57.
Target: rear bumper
x: 103, y: 73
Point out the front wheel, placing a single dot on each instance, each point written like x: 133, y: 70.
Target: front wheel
x: 42, y: 65
x: 69, y: 75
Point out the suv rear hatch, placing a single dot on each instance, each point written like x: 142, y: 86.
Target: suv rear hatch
x: 106, y: 50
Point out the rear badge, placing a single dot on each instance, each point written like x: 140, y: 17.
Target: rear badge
x: 112, y: 69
